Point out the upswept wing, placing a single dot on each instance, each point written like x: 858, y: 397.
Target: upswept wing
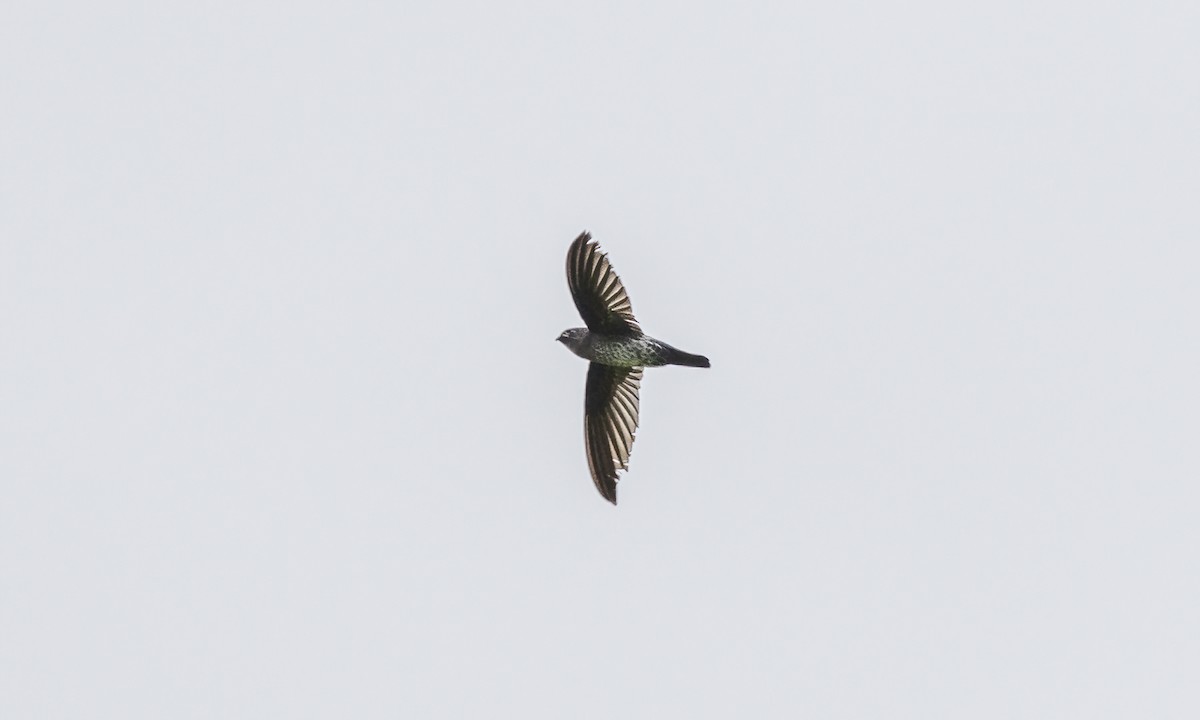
x: 597, y: 291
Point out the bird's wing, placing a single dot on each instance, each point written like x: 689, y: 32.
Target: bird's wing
x: 610, y: 419
x: 598, y: 292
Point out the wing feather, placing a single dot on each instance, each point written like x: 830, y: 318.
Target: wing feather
x: 597, y: 291
x: 610, y: 423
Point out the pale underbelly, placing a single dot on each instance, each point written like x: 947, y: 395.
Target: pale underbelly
x: 625, y: 352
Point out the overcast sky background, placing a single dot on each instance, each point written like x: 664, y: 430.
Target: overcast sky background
x: 284, y: 431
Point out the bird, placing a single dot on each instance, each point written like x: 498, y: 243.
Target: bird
x: 618, y: 351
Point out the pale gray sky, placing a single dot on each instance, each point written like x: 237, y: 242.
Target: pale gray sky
x: 284, y: 431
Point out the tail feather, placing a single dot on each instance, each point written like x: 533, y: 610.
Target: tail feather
x: 679, y: 357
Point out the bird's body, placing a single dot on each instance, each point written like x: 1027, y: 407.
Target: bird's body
x: 629, y: 351
x: 618, y: 350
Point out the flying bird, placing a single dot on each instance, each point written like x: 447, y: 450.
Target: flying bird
x: 618, y: 350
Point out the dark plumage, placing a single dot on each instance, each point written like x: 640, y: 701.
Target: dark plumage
x: 618, y: 350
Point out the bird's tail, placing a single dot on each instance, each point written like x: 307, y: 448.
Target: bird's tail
x: 679, y: 357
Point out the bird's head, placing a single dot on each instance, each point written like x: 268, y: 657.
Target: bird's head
x: 573, y: 338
